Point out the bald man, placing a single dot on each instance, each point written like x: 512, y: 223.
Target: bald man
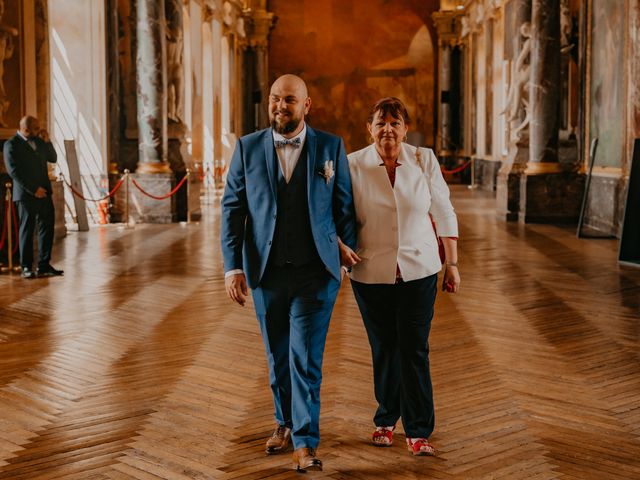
x: 26, y: 155
x: 286, y: 202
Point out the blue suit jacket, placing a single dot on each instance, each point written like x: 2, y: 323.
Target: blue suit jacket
x: 249, y: 205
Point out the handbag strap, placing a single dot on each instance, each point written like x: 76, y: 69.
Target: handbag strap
x: 420, y: 160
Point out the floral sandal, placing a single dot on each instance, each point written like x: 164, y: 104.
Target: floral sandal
x: 420, y: 446
x: 383, y: 436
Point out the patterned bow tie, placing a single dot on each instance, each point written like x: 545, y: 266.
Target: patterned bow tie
x: 294, y: 142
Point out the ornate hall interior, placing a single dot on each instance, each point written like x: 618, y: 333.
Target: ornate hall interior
x: 136, y: 365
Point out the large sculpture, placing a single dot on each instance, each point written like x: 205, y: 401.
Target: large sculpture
x: 566, y: 27
x: 175, y: 42
x: 518, y: 93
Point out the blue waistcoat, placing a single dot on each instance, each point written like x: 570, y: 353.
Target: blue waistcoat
x: 293, y: 240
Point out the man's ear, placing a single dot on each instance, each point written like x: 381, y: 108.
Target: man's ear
x: 307, y: 105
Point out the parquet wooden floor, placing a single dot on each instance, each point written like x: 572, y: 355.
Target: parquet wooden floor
x: 136, y: 366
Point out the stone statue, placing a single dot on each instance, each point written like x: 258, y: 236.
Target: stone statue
x: 479, y: 18
x: 518, y: 92
x: 175, y: 42
x: 227, y: 15
x: 566, y: 27
x: 240, y: 28
x: 7, y: 47
x: 465, y: 26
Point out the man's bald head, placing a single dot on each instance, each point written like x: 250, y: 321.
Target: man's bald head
x: 29, y: 126
x: 290, y: 83
x: 289, y: 102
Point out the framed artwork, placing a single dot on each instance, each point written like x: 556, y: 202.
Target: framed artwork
x: 606, y: 93
x: 17, y: 64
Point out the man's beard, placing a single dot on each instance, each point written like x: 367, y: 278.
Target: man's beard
x: 287, y: 127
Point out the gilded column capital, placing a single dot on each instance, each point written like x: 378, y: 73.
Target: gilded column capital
x: 493, y: 9
x: 474, y: 15
x: 208, y: 13
x: 258, y: 27
x: 449, y: 27
x: 233, y: 21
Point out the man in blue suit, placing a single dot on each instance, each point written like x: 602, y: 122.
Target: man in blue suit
x: 286, y: 204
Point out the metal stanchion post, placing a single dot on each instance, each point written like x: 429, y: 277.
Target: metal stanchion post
x: 188, y: 199
x: 473, y: 174
x: 9, y: 222
x: 126, y: 197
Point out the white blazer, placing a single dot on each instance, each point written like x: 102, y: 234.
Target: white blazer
x: 393, y: 223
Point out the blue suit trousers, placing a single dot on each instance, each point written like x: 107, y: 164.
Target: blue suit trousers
x: 293, y: 306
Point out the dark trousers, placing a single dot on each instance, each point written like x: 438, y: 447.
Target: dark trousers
x: 36, y: 212
x: 398, y: 319
x: 293, y: 306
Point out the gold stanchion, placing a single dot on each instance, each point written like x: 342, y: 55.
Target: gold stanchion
x: 188, y: 199
x: 9, y: 268
x: 473, y: 174
x: 126, y: 198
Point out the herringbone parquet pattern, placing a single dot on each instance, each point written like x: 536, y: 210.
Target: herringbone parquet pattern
x: 136, y: 366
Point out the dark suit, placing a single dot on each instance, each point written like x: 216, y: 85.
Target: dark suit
x: 284, y: 236
x: 27, y: 167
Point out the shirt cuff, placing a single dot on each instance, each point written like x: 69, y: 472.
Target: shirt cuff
x: 233, y: 272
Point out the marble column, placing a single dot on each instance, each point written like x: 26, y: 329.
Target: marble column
x: 151, y: 87
x: 153, y: 174
x: 262, y: 23
x: 449, y: 27
x: 549, y: 192
x: 113, y: 86
x: 545, y: 84
x: 262, y: 73
x: 445, y: 100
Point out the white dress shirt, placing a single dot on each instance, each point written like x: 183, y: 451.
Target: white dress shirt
x: 394, y: 229
x: 288, y: 155
x: 31, y: 143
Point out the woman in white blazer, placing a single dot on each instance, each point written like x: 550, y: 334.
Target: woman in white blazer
x: 396, y: 188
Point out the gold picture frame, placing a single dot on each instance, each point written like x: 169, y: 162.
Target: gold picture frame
x: 18, y: 69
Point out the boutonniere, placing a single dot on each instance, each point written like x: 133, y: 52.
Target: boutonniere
x: 327, y: 172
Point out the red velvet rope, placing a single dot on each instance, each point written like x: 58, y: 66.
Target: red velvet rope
x: 16, y: 236
x: 4, y: 227
x: 456, y: 170
x: 9, y: 214
x: 171, y: 193
x: 110, y: 194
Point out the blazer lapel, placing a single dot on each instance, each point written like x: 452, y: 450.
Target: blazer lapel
x: 271, y: 158
x: 311, y: 142
x: 379, y: 172
x: 414, y: 172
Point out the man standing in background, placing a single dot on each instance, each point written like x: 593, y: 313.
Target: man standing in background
x: 26, y: 155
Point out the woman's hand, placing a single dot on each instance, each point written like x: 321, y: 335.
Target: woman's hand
x: 451, y: 279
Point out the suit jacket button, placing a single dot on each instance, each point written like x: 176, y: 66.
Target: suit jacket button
x: 269, y: 242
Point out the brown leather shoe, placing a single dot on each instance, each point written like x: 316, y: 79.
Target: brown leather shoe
x: 279, y: 441
x: 305, y: 459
